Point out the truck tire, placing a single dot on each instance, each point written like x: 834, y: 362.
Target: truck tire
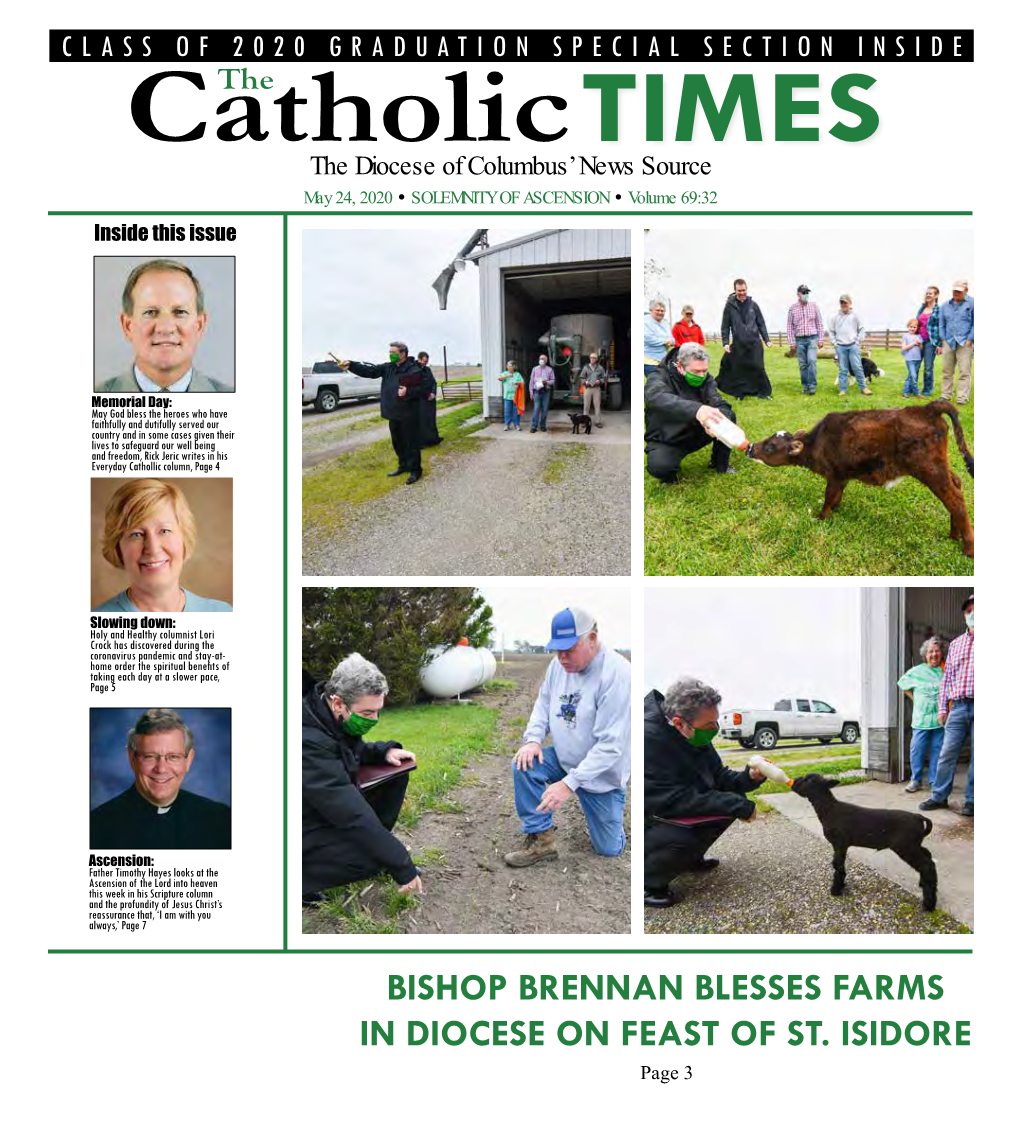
x: 615, y: 396
x: 765, y: 738
x: 826, y: 741
x: 850, y: 733
x: 327, y: 400
x: 747, y: 744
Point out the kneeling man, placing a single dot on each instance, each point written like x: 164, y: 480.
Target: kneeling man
x: 584, y: 705
x: 690, y: 797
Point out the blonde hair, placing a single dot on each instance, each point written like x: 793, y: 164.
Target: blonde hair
x: 137, y: 500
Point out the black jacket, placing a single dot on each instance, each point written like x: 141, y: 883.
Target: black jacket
x: 407, y: 374
x: 130, y: 822
x: 672, y: 404
x: 335, y: 818
x: 744, y: 320
x: 684, y: 781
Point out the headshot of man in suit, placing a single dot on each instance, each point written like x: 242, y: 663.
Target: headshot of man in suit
x: 163, y: 318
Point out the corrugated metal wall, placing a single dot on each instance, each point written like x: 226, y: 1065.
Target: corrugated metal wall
x: 547, y: 247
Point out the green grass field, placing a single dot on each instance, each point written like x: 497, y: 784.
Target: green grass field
x: 762, y: 521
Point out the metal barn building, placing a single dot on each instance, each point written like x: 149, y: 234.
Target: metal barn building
x: 895, y: 622
x: 527, y: 282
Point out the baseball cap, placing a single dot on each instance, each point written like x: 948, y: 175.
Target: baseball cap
x: 686, y: 308
x: 568, y: 626
x: 847, y: 297
x: 960, y: 286
x: 803, y: 289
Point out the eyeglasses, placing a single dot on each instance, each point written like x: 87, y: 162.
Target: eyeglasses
x: 150, y: 758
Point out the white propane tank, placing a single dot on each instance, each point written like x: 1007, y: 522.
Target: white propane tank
x: 457, y: 670
x: 490, y: 664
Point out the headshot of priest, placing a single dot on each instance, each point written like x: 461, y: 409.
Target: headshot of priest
x: 155, y: 813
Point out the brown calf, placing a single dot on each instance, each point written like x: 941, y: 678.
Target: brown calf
x: 878, y: 448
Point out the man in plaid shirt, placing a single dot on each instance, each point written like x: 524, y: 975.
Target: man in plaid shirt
x: 956, y: 713
x: 805, y: 332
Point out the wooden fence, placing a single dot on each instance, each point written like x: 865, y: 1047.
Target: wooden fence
x: 888, y: 338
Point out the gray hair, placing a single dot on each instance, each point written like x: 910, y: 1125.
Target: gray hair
x: 687, y: 697
x: 656, y: 300
x: 156, y: 721
x: 160, y: 265
x: 399, y: 345
x: 687, y: 352
x: 354, y: 677
x: 939, y: 642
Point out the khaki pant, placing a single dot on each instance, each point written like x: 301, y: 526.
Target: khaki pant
x: 593, y: 398
x: 962, y: 354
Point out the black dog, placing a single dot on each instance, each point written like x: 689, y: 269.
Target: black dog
x: 845, y: 825
x: 580, y: 421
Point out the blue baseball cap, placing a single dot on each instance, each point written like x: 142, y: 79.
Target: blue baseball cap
x: 568, y: 627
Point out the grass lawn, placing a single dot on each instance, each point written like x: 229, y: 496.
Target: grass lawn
x: 444, y: 737
x: 762, y: 521
x: 360, y: 475
x: 738, y: 758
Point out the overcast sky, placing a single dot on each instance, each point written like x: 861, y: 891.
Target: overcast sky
x: 363, y: 287
x: 757, y: 645
x: 526, y: 613
x: 886, y: 272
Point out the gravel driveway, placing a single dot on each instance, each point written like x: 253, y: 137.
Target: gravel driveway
x: 774, y: 877
x: 488, y: 512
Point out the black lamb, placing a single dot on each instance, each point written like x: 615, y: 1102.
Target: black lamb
x: 845, y: 825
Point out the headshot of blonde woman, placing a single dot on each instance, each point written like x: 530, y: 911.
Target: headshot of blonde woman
x: 150, y: 536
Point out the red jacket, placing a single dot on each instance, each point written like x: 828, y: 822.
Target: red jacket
x: 687, y: 334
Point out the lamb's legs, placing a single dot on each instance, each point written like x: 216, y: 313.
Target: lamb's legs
x: 920, y: 859
x: 839, y: 868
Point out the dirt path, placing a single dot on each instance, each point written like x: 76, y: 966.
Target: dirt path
x: 471, y: 890
x: 490, y: 512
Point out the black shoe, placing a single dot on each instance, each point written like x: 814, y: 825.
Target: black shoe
x: 967, y: 810
x: 728, y: 470
x: 533, y: 431
x: 309, y: 899
x: 396, y: 473
x: 413, y: 479
x: 660, y: 898
x: 934, y: 804
x: 542, y: 428
x: 706, y: 863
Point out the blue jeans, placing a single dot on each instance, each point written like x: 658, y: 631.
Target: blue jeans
x: 928, y: 357
x: 849, y: 357
x: 540, y: 411
x: 510, y: 413
x: 925, y: 748
x: 807, y: 360
x: 913, y: 367
x: 959, y: 728
x: 602, y: 812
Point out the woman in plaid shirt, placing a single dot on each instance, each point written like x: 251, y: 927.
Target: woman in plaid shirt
x: 956, y: 712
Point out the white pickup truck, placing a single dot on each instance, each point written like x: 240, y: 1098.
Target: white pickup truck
x: 325, y: 385
x: 791, y: 718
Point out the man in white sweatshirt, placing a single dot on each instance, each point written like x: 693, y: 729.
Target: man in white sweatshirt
x: 584, y: 706
x: 847, y: 332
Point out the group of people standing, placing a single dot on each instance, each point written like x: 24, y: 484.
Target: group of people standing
x: 541, y: 385
x: 945, y: 330
x: 407, y: 401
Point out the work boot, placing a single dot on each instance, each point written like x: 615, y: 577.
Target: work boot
x: 537, y: 847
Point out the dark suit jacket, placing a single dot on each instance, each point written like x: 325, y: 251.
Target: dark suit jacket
x: 128, y: 822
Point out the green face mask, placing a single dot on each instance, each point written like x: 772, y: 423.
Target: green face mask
x: 695, y: 380
x: 357, y: 725
x: 703, y: 736
x: 394, y: 357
